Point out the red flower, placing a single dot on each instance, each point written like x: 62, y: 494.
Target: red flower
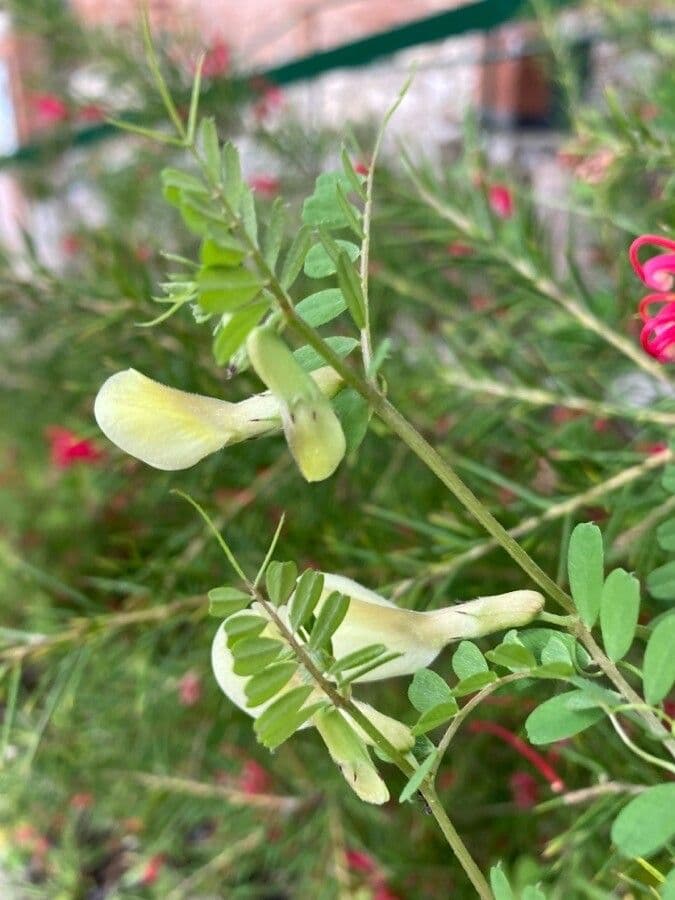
x: 190, y: 689
x: 524, y: 789
x: 501, y: 201
x: 152, y: 868
x: 358, y: 861
x: 267, y: 185
x: 92, y: 112
x: 66, y: 448
x: 458, y: 248
x: 253, y: 778
x: 653, y: 449
x: 71, y: 244
x: 81, y: 801
x: 271, y: 99
x: 217, y: 59
x: 50, y: 109
x: 382, y: 891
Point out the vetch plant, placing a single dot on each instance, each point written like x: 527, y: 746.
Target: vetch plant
x: 290, y: 652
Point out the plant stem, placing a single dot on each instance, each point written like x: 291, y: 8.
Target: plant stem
x: 366, y: 341
x: 470, y: 705
x: 447, y: 475
x: 537, y: 397
x: 555, y: 511
x: 455, y: 842
x: 617, y: 679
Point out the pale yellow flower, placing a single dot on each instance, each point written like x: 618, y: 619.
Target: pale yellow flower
x: 171, y: 429
x: 372, y: 619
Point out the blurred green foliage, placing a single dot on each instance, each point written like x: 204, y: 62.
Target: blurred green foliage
x: 114, y: 782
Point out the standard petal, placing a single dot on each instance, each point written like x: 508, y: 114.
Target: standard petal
x: 163, y: 427
x: 233, y: 686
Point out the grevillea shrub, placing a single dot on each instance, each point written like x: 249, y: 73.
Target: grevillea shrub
x: 415, y: 463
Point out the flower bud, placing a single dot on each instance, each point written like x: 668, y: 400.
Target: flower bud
x: 349, y: 752
x: 313, y: 431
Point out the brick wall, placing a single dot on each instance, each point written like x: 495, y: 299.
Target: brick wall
x: 262, y: 32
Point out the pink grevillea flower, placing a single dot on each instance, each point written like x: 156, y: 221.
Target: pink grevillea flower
x: 50, y: 109
x: 217, y: 59
x: 266, y: 185
x: 536, y: 759
x: 382, y: 891
x: 271, y: 98
x: 151, y: 870
x: 358, y: 861
x: 71, y: 244
x: 658, y: 272
x: 524, y: 789
x: 190, y: 689
x: 501, y: 201
x: 66, y: 448
x: 82, y: 801
x: 253, y: 778
x: 92, y: 112
x: 458, y: 248
x: 658, y: 332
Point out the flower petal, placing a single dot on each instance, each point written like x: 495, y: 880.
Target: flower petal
x: 163, y: 427
x: 349, y: 752
x: 230, y: 684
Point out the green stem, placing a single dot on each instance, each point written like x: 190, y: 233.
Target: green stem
x: 455, y: 842
x: 468, y: 707
x: 366, y: 340
x: 447, y: 475
x: 614, y: 675
x: 558, y: 511
x: 537, y: 397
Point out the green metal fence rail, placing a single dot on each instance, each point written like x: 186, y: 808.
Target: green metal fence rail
x: 481, y: 16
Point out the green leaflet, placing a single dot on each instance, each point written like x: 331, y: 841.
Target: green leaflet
x: 280, y: 578
x: 619, y: 608
x: 223, y: 601
x: 557, y: 718
x: 467, y: 660
x: 647, y: 822
x: 427, y: 690
x: 585, y: 570
x: 658, y: 670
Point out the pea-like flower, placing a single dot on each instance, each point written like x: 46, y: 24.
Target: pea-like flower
x: 171, y: 429
x: 313, y: 431
x: 417, y: 636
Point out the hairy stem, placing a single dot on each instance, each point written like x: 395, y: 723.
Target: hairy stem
x: 455, y: 842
